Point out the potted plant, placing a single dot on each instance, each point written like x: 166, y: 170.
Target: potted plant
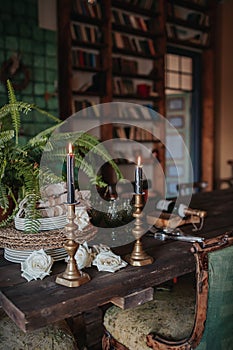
x: 20, y: 164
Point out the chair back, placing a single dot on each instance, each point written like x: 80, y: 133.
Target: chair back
x: 214, y: 299
x: 218, y: 330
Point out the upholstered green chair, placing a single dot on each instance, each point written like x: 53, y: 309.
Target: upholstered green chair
x: 53, y: 337
x: 176, y: 320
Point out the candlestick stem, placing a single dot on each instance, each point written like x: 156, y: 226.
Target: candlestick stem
x: 70, y: 179
x: 138, y: 257
x: 71, y: 277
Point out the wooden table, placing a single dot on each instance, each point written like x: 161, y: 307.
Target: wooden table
x: 37, y: 303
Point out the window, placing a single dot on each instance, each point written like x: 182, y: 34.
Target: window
x: 182, y: 85
x: 179, y: 72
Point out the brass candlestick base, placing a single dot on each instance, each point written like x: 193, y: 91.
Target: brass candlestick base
x: 138, y: 257
x: 71, y: 277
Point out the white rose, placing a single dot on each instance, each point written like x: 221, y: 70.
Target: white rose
x: 37, y: 265
x: 83, y: 197
x: 82, y: 218
x: 108, y: 261
x: 83, y: 256
x: 100, y: 248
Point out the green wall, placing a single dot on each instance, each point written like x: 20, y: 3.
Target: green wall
x: 20, y: 33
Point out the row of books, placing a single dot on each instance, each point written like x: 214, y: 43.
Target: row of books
x: 85, y: 33
x: 81, y: 58
x: 140, y: 114
x: 123, y: 86
x: 83, y: 8
x: 190, y: 16
x: 145, y: 4
x: 92, y: 112
x: 92, y: 84
x: 129, y: 132
x: 124, y: 65
x: 132, y: 133
x: 134, y: 44
x: 188, y: 35
x: 126, y: 19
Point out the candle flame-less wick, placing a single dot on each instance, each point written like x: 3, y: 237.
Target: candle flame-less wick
x: 70, y: 148
x: 139, y: 160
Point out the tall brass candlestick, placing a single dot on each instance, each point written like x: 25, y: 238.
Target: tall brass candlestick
x: 138, y: 177
x: 71, y: 277
x: 138, y: 256
x: 70, y: 175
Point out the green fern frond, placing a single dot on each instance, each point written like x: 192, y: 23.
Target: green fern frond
x: 30, y: 176
x: 15, y: 115
x: 21, y: 171
x: 6, y: 136
x: 42, y: 137
x: 25, y: 107
x: 48, y: 177
x: 41, y: 111
x: 87, y: 169
x: 31, y: 225
x: 16, y: 106
x: 9, y: 219
x: 4, y: 202
x: 86, y: 143
x: 2, y: 168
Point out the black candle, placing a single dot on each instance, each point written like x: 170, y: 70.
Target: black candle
x: 70, y: 176
x: 138, y: 177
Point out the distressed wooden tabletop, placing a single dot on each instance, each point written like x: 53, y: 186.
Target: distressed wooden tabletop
x: 34, y: 304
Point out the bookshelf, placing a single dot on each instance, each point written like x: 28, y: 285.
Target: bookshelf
x: 83, y: 45
x: 135, y: 30
x: 188, y: 23
x: 115, y: 52
x: 109, y: 56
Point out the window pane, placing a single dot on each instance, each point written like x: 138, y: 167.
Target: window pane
x: 186, y: 82
x: 172, y: 62
x: 186, y: 64
x: 174, y: 143
x: 173, y: 80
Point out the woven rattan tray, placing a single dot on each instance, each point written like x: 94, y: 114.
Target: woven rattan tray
x: 15, y: 239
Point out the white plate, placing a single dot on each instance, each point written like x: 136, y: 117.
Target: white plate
x: 54, y: 223
x: 18, y: 256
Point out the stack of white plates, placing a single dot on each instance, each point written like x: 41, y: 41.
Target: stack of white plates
x: 53, y: 223
x: 18, y: 256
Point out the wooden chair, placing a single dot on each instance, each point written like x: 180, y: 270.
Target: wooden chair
x: 56, y: 336
x: 177, y: 322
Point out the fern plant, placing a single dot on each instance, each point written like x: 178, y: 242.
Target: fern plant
x: 20, y: 164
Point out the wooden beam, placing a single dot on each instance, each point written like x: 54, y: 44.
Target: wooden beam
x: 208, y: 118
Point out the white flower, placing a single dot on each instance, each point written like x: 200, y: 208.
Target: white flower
x: 37, y: 265
x: 82, y: 218
x: 100, y: 248
x: 108, y: 261
x: 83, y: 197
x: 83, y: 256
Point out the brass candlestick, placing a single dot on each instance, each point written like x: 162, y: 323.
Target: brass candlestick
x: 138, y: 257
x: 71, y: 277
